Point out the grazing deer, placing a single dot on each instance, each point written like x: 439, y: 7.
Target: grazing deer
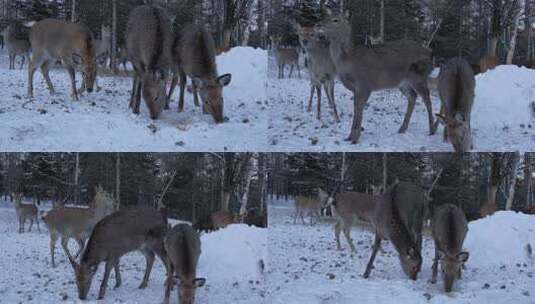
x: 127, y: 230
x: 183, y: 247
x: 222, y: 219
x: 398, y: 216
x: 320, y: 66
x: 15, y: 47
x: 149, y: 40
x: 194, y: 56
x: 456, y: 87
x: 487, y: 63
x: 449, y: 226
x: 25, y: 212
x: 310, y: 205
x: 71, y: 43
x: 285, y: 56
x: 252, y: 218
x: 76, y: 223
x: 403, y: 64
x: 103, y: 45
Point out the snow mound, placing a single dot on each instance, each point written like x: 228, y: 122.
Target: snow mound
x: 501, y: 239
x: 248, y: 67
x: 497, y: 106
x: 233, y: 253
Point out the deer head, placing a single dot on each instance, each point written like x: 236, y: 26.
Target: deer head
x: 451, y: 267
x: 211, y: 92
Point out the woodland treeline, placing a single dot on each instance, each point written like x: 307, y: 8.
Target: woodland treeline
x: 477, y: 182
x: 191, y: 185
x: 468, y: 28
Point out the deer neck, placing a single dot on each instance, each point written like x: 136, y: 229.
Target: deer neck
x: 399, y: 235
x: 340, y: 46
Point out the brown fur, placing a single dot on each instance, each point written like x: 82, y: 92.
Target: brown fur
x: 488, y: 63
x: 222, y: 219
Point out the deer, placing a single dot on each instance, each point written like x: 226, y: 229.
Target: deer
x: 310, y: 205
x: 400, y: 64
x: 149, y: 40
x: 103, y: 45
x: 449, y: 227
x: 221, y: 219
x: 71, y: 43
x: 456, y: 87
x: 183, y: 246
x: 285, y: 56
x: 204, y: 225
x: 395, y: 215
x: 320, y: 66
x: 488, y: 63
x: 76, y: 223
x: 123, y: 57
x: 25, y: 212
x: 15, y: 47
x: 130, y: 229
x: 194, y: 56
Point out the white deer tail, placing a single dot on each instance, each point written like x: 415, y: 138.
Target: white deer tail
x: 29, y: 23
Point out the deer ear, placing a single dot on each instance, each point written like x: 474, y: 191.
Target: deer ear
x: 224, y: 80
x: 77, y: 59
x: 463, y: 257
x: 199, y: 282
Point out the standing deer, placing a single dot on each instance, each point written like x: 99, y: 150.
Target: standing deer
x: 123, y: 57
x: 222, y: 219
x: 194, y: 56
x: 320, y: 66
x: 397, y: 216
x: 15, y: 47
x: 127, y: 230
x: 400, y: 64
x: 204, y: 225
x: 25, y: 212
x: 285, y: 56
x: 456, y: 87
x: 71, y: 43
x: 310, y: 205
x: 148, y: 41
x: 76, y: 223
x: 103, y: 45
x: 449, y: 226
x: 183, y: 247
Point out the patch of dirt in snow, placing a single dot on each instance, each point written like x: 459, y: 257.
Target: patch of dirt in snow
x: 306, y: 267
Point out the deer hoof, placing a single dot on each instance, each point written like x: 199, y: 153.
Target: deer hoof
x: 402, y: 130
x: 143, y: 285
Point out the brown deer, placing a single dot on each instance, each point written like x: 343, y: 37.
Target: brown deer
x: 204, y: 225
x: 397, y: 216
x: 456, y: 87
x: 25, y: 212
x: 400, y: 64
x: 76, y: 222
x: 449, y: 226
x: 194, y: 56
x: 222, y: 219
x: 310, y: 205
x: 71, y: 43
x: 320, y: 66
x: 149, y: 40
x: 183, y: 246
x: 127, y: 230
x: 285, y: 56
x: 15, y: 47
x: 487, y: 63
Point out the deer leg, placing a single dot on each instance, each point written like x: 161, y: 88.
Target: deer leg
x: 302, y: 218
x: 44, y: 71
x: 160, y: 251
x: 434, y: 268
x: 183, y: 81
x: 104, y: 283
x: 375, y: 248
x: 295, y: 216
x: 80, y: 247
x: 312, y: 86
x: 64, y: 244
x: 31, y: 225
x: 291, y: 70
x: 329, y: 90
x: 37, y: 222
x: 423, y: 91
x: 118, y: 280
x: 137, y: 96
x: 22, y: 61
x: 411, y: 96
x: 298, y: 70
x: 337, y: 230
x: 11, y: 62
x: 318, y: 91
x: 72, y: 75
x: 360, y: 99
x: 174, y: 81
x: 348, y: 223
x: 36, y: 62
x: 21, y: 224
x: 149, y: 257
x: 53, y: 239
x: 169, y: 282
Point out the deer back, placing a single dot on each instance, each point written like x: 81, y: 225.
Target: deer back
x: 69, y: 221
x: 456, y: 87
x: 449, y: 227
x: 183, y: 246
x: 222, y: 219
x: 357, y: 204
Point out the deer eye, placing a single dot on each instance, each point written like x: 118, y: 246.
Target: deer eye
x: 336, y: 20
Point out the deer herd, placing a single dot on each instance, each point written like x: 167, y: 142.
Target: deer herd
x: 157, y: 52
x: 398, y: 215
x: 104, y: 234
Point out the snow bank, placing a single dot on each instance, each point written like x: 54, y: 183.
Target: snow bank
x: 501, y: 239
x: 248, y: 67
x: 503, y: 97
x: 233, y: 253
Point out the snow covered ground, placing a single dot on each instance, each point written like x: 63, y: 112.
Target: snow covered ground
x: 503, y: 119
x: 229, y: 262
x: 103, y: 122
x: 305, y: 266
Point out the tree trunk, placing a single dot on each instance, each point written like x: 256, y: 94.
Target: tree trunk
x: 514, y: 173
x: 113, y: 57
x: 527, y: 179
x: 382, y: 25
x: 385, y: 171
x: 76, y: 177
x: 248, y: 178
x: 493, y: 46
x: 512, y: 44
x: 73, y: 11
